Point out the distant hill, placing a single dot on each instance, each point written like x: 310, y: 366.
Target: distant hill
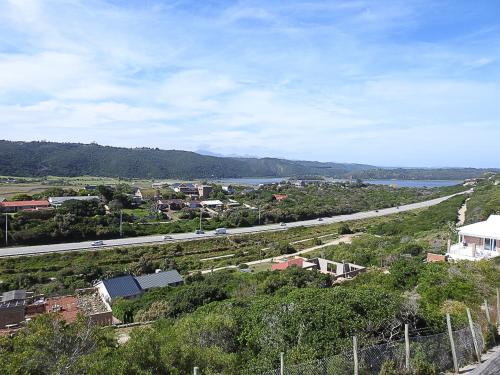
x: 76, y: 159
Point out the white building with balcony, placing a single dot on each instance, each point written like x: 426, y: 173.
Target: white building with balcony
x: 477, y: 241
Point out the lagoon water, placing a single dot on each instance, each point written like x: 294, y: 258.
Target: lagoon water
x: 415, y: 183
x: 254, y: 181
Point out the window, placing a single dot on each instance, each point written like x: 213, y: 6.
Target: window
x: 489, y: 244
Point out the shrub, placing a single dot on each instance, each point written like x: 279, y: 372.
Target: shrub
x: 345, y: 229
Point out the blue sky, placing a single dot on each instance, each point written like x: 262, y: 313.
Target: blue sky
x: 392, y: 83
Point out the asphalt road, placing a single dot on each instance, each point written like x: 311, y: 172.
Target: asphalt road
x: 157, y: 239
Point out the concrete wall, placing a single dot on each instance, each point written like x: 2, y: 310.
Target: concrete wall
x: 102, y: 319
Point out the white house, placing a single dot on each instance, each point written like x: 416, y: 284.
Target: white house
x: 58, y: 201
x: 477, y: 241
x: 214, y: 204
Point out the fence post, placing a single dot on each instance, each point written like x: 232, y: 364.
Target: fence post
x: 452, y: 343
x: 282, y: 363
x: 195, y: 371
x: 355, y: 354
x: 498, y: 306
x: 473, y: 333
x: 407, y: 347
x: 487, y: 310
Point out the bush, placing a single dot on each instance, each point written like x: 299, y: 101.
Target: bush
x: 283, y: 247
x: 345, y: 229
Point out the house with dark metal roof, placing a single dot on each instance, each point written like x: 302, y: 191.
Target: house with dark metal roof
x: 129, y: 286
x: 159, y: 280
x: 119, y: 287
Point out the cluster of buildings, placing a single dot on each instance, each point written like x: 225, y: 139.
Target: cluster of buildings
x: 56, y: 202
x: 44, y: 204
x: 17, y: 307
x: 339, y: 271
x: 197, y: 195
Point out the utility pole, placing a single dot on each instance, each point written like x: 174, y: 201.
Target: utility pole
x: 259, y: 215
x: 201, y: 213
x: 121, y: 223
x: 6, y: 230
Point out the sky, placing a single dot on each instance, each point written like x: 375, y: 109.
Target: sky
x: 389, y: 83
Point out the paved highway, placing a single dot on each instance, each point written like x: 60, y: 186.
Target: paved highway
x: 157, y: 239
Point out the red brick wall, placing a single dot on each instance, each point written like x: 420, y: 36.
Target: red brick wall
x: 471, y: 240
x: 435, y: 257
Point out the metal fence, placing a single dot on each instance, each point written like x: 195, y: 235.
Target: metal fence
x: 439, y: 353
x: 434, y: 351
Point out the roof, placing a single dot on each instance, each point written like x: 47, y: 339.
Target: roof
x: 214, y: 202
x: 25, y: 203
x: 280, y: 197
x: 13, y: 295
x: 61, y: 200
x: 184, y: 185
x: 159, y: 280
x: 484, y: 229
x: 123, y: 286
x: 298, y: 262
x: 436, y: 257
x: 66, y: 306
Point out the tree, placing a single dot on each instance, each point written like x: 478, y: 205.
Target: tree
x: 404, y: 272
x: 83, y: 208
x: 22, y: 197
x: 284, y: 247
x: 50, y: 346
x: 106, y: 192
x: 344, y: 229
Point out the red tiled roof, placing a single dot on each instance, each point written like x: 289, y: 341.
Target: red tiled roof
x: 435, y: 257
x: 289, y: 263
x: 280, y: 197
x: 42, y: 203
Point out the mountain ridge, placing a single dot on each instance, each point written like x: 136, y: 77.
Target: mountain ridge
x: 42, y: 158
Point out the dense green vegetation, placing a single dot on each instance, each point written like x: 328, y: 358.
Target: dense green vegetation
x: 233, y: 322
x: 72, y: 159
x: 329, y: 199
x: 484, y: 202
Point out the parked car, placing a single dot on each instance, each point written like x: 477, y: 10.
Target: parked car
x: 220, y: 231
x: 283, y: 224
x: 166, y: 237
x: 199, y: 231
x: 97, y: 243
x: 320, y: 219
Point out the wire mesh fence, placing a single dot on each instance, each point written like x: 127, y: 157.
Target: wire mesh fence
x: 433, y: 351
x: 419, y: 354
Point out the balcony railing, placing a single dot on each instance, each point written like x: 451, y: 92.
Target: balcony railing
x: 471, y: 252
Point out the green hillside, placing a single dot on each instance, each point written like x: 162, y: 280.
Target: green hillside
x: 76, y: 159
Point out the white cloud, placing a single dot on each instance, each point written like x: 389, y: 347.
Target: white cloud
x: 349, y: 81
